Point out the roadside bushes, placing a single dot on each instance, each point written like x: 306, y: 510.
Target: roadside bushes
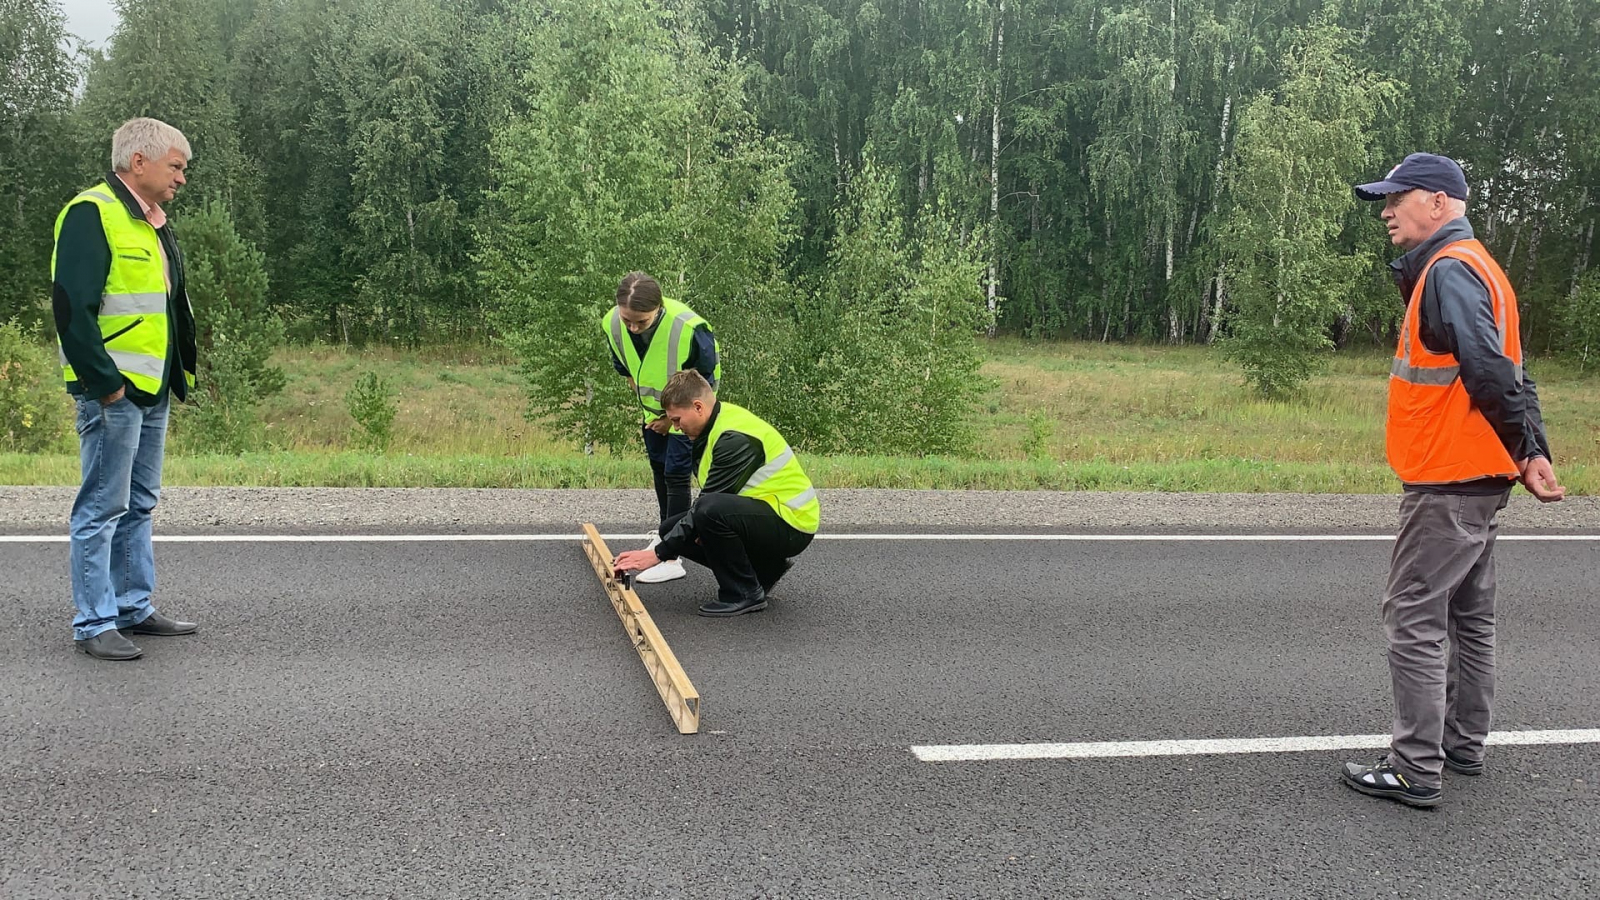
x: 35, y: 411
x: 236, y: 332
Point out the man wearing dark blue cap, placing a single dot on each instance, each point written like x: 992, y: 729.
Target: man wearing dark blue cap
x: 1463, y: 428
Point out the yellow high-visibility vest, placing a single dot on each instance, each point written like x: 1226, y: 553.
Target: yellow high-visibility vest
x: 133, y: 307
x: 781, y: 483
x: 667, y: 354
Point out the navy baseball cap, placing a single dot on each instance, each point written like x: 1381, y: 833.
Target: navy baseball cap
x: 1419, y: 170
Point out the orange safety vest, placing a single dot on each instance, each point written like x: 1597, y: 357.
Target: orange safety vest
x: 1435, y: 435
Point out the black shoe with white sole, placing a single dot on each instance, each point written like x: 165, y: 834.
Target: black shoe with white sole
x: 1384, y: 780
x: 1461, y: 765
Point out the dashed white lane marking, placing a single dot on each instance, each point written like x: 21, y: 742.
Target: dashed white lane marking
x: 1107, y: 749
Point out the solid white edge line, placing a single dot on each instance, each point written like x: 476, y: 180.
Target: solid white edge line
x: 1048, y: 538
x: 1172, y: 538
x: 1111, y: 749
x: 327, y: 538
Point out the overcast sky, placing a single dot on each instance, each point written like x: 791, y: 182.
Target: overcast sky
x: 92, y: 20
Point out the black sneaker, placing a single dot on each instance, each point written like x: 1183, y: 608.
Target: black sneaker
x: 1384, y: 780
x: 1461, y: 765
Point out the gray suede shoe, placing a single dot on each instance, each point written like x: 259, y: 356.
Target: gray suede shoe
x: 109, y: 645
x: 160, y: 625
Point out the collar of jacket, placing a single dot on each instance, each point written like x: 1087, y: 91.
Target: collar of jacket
x: 699, y: 446
x: 1409, y: 267
x: 126, y: 196
x: 641, y: 341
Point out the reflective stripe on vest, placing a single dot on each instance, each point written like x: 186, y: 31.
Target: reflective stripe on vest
x: 662, y: 359
x: 152, y: 367
x: 781, y: 482
x: 1434, y: 434
x: 126, y: 362
x: 133, y: 307
x: 133, y: 304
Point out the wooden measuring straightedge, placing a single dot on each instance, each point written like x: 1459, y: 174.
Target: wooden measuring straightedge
x: 683, y: 701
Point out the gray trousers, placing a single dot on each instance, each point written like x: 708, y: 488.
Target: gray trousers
x: 1439, y: 615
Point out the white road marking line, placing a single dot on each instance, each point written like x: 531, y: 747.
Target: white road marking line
x: 1173, y: 538
x: 1108, y: 749
x: 322, y: 538
x: 1048, y: 538
x: 327, y: 538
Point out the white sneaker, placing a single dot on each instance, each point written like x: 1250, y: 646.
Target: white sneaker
x: 669, y: 570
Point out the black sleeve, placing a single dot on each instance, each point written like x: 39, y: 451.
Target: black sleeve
x: 83, y: 261
x: 1541, y: 446
x: 733, y: 461
x: 735, y: 457
x: 703, y: 353
x: 1459, y: 302
x: 678, y: 537
x: 617, y: 364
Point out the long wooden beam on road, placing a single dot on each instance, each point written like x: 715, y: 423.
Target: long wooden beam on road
x: 672, y: 683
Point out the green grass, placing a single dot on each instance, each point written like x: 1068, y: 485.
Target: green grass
x: 454, y: 401
x: 1163, y: 405
x: 1061, y: 417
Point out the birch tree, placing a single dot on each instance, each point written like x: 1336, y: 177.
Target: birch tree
x: 1299, y: 150
x: 37, y: 75
x: 634, y: 150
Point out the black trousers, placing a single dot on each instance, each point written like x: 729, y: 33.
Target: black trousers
x: 742, y: 541
x: 671, y: 462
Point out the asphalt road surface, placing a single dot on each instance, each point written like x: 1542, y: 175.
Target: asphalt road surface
x: 464, y: 719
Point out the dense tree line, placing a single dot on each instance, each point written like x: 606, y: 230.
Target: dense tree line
x: 1159, y: 170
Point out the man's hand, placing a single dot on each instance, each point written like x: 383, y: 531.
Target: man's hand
x: 1540, y: 479
x: 661, y: 425
x: 634, y: 561
x: 109, y: 399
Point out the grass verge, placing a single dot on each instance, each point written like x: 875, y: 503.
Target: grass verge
x: 1075, y: 416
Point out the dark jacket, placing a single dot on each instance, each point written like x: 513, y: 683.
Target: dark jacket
x: 1457, y: 317
x: 83, y: 262
x: 735, y: 458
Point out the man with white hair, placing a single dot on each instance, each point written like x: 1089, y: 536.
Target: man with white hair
x: 1463, y: 428
x: 127, y: 344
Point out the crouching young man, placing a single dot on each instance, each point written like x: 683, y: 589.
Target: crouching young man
x: 756, y: 511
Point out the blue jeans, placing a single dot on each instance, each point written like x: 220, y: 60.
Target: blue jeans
x: 673, y: 452
x: 113, y: 564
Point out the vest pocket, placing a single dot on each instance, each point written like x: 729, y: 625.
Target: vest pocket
x: 122, y: 331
